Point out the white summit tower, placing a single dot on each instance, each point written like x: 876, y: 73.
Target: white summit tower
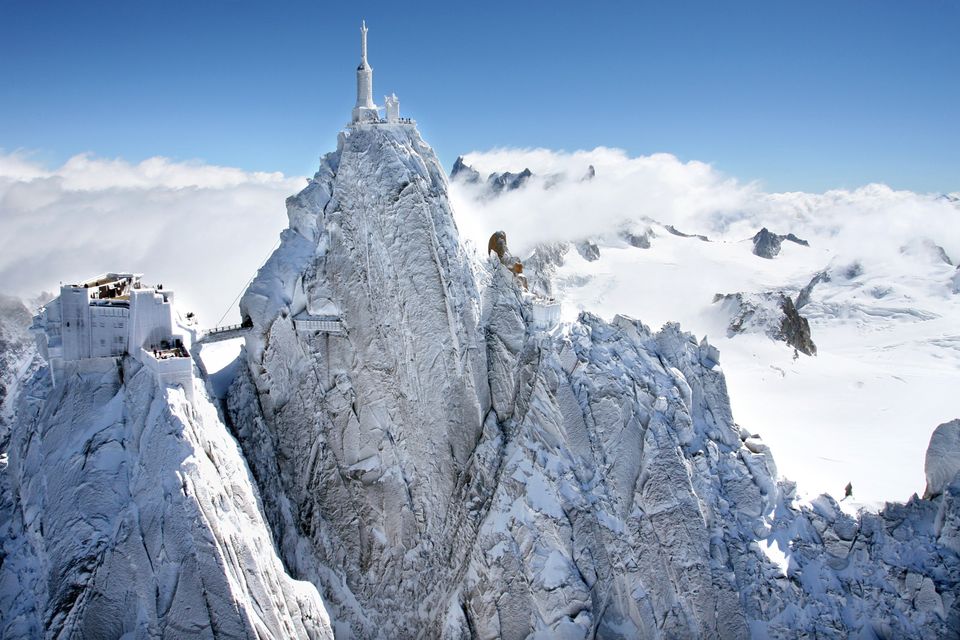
x: 365, y: 110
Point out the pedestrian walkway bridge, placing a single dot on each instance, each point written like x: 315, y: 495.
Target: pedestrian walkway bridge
x: 302, y: 322
x: 228, y: 332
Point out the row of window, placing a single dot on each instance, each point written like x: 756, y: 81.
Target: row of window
x: 117, y: 324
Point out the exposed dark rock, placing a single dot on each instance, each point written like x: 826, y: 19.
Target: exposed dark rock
x: 590, y: 175
x: 766, y: 244
x: 500, y: 182
x: 938, y: 252
x: 497, y: 183
x: 794, y: 328
x: 677, y: 232
x: 641, y: 241
x: 853, y: 270
x: 464, y: 172
x: 772, y: 313
x: 498, y: 243
x: 588, y: 250
x: 793, y: 238
x: 804, y: 296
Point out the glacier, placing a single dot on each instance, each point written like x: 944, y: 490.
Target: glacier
x: 437, y: 466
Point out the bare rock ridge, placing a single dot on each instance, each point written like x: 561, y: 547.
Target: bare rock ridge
x: 673, y: 230
x: 773, y: 313
x: 496, y: 183
x: 767, y: 244
x: 440, y: 468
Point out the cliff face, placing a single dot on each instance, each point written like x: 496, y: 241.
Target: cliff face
x: 130, y: 512
x: 443, y: 469
x: 370, y: 432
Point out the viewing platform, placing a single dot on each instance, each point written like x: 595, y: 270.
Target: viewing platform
x: 546, y: 313
x: 306, y: 323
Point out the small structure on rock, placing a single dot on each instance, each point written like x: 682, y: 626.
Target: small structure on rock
x: 365, y: 111
x: 110, y: 316
x: 544, y: 311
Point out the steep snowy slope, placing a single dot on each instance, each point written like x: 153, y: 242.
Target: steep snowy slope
x: 128, y: 511
x: 439, y: 467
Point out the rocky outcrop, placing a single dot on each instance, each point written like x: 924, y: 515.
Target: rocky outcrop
x: 795, y: 329
x: 588, y: 250
x: 674, y: 231
x: 803, y: 297
x: 942, y: 462
x: 772, y: 313
x: 541, y: 266
x: 16, y: 355
x: 506, y: 181
x: 496, y: 183
x: 638, y: 240
x: 463, y: 171
x: 767, y: 244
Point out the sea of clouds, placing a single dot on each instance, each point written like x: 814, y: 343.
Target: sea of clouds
x: 203, y: 230
x: 871, y: 223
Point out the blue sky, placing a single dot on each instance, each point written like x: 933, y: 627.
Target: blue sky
x: 800, y: 96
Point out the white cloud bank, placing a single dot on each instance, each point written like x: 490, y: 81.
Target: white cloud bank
x: 201, y: 229
x: 871, y: 222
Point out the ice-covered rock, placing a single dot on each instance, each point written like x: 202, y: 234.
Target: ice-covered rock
x: 16, y: 355
x: 370, y: 432
x: 130, y: 512
x: 942, y: 463
x: 541, y: 266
